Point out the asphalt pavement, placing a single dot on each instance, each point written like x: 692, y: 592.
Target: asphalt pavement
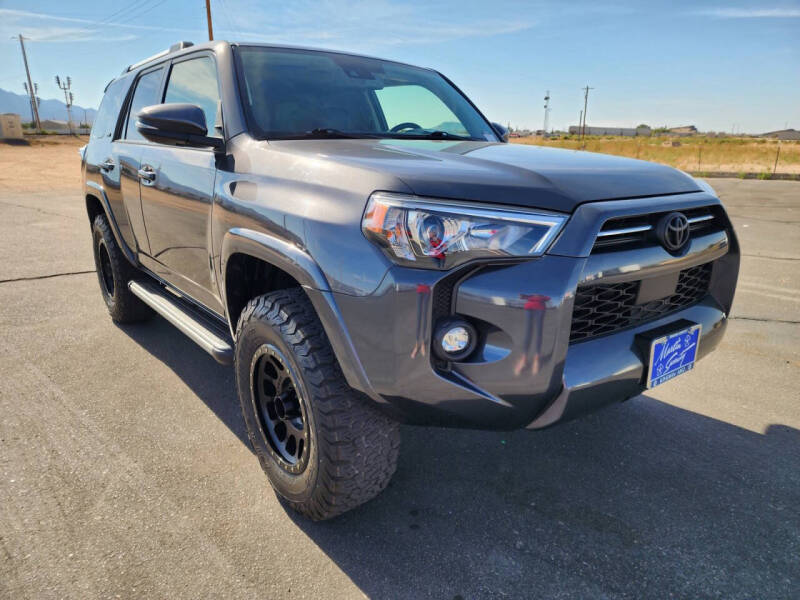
x: 125, y: 472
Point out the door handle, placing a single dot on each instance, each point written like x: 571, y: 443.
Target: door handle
x: 107, y: 165
x: 147, y: 173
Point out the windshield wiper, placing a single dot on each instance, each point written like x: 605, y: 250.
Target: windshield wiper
x: 328, y: 132
x: 331, y: 133
x: 438, y: 134
x: 434, y: 135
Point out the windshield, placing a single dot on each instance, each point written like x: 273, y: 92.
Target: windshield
x: 290, y: 93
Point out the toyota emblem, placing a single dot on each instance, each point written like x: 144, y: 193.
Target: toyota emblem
x: 673, y: 231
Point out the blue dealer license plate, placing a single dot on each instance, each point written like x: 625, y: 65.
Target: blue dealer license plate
x: 672, y: 355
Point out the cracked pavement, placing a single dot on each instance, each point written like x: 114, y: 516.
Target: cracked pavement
x: 124, y: 469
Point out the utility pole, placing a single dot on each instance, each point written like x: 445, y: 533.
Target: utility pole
x: 585, y: 103
x: 30, y: 100
x: 33, y: 97
x: 31, y: 89
x: 546, y: 112
x: 208, y: 17
x: 65, y: 86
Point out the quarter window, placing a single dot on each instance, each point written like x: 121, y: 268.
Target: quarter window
x: 195, y: 82
x: 146, y: 94
x: 106, y: 120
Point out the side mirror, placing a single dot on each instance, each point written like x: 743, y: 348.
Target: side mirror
x: 176, y: 124
x: 501, y: 131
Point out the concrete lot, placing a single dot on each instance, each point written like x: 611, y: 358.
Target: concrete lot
x: 124, y: 468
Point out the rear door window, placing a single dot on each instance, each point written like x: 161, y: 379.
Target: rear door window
x: 194, y: 81
x: 146, y: 94
x: 106, y: 120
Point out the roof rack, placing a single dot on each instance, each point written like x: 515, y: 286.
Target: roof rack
x: 173, y: 48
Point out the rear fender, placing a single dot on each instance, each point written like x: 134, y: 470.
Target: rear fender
x: 98, y: 192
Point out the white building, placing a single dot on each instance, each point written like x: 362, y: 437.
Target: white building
x: 10, y: 127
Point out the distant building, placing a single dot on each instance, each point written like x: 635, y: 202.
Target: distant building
x: 782, y: 134
x: 683, y: 130
x: 627, y: 131
x: 10, y: 127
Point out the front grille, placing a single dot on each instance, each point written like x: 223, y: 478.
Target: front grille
x: 639, y: 230
x: 605, y: 308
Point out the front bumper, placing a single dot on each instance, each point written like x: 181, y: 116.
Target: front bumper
x: 500, y: 386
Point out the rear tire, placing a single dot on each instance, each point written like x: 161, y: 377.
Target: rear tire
x: 334, y: 451
x: 114, y: 272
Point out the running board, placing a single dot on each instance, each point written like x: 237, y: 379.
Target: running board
x: 199, y: 328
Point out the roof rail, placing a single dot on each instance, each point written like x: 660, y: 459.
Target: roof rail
x: 173, y: 48
x: 180, y: 46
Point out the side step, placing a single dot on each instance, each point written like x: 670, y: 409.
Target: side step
x: 201, y: 329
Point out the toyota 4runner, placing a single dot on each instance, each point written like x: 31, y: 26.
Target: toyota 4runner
x: 365, y: 248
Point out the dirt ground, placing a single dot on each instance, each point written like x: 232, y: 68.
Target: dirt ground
x: 45, y: 163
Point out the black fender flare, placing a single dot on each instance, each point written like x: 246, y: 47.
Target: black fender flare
x: 295, y: 261
x: 96, y: 190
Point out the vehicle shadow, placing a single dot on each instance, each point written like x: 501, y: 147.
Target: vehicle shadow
x: 640, y: 500
x: 212, y: 382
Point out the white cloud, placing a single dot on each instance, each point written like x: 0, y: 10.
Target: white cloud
x: 40, y: 27
x: 751, y: 13
x: 362, y: 23
x: 330, y: 22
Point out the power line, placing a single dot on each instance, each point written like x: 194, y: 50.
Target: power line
x: 137, y: 15
x: 125, y: 11
x: 234, y: 28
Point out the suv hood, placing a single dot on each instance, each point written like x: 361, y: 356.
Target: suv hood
x: 492, y: 172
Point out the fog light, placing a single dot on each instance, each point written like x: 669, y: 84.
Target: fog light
x: 454, y: 339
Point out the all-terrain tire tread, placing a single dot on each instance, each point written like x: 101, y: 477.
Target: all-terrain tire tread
x: 127, y: 307
x: 357, y: 445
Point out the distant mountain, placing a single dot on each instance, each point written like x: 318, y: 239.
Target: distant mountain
x: 48, y: 109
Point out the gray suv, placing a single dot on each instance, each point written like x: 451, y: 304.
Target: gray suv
x: 365, y: 248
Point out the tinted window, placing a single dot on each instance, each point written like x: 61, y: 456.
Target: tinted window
x: 195, y: 81
x: 106, y: 120
x: 290, y: 93
x: 146, y: 94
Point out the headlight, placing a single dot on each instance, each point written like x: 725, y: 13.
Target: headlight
x: 429, y: 234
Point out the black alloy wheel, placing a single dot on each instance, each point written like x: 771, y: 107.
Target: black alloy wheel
x: 106, y: 271
x: 281, y: 409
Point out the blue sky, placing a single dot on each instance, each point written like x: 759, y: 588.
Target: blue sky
x: 716, y: 65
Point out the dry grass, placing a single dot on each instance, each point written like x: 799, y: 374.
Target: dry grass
x: 696, y: 154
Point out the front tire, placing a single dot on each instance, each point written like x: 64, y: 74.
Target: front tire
x: 324, y: 449
x: 113, y: 273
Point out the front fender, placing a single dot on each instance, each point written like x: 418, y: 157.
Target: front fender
x: 299, y: 264
x: 275, y: 251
